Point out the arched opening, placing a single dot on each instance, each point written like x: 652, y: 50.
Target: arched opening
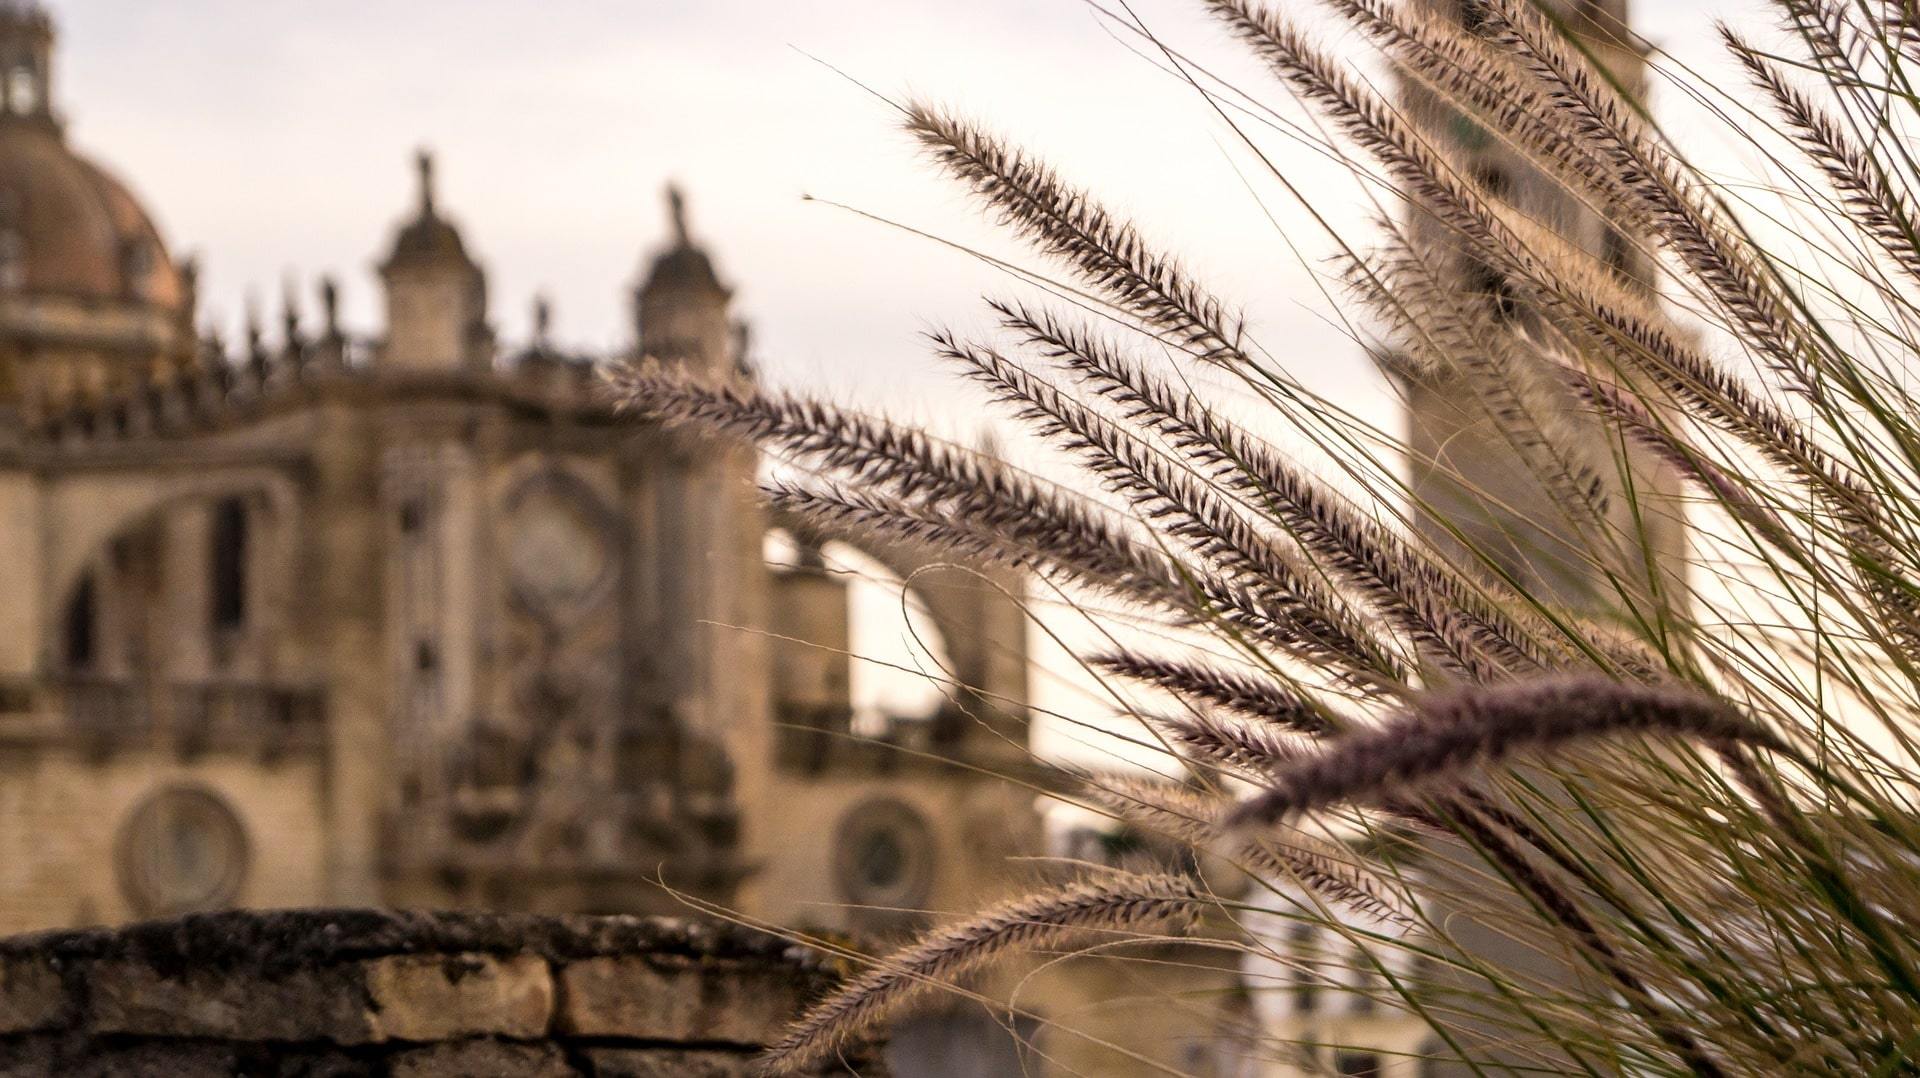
x: 1473, y: 15
x: 187, y: 591
x: 854, y: 634
x: 1492, y: 286
x: 1303, y: 938
x: 1495, y: 180
x: 172, y: 626
x: 1354, y: 1063
x: 901, y: 661
x: 1435, y: 1060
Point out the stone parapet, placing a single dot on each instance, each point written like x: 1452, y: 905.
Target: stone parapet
x: 350, y: 992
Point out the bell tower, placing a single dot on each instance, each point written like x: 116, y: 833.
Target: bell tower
x: 436, y: 293
x: 1469, y: 471
x: 1474, y: 481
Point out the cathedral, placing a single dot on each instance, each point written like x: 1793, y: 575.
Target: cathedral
x: 419, y: 619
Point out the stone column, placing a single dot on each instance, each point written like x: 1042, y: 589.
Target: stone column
x: 346, y: 594
x: 186, y: 538
x: 23, y: 623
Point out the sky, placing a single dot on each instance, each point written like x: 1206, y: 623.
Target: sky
x: 274, y: 139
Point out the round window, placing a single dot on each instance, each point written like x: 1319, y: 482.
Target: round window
x: 879, y: 862
x: 883, y: 855
x: 180, y: 850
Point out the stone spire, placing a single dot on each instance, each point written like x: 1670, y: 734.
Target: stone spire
x: 290, y: 336
x: 423, y: 164
x: 330, y: 307
x: 680, y: 309
x: 542, y: 323
x: 683, y: 267
x: 677, y: 208
x: 331, y: 348
x: 428, y: 239
x: 436, y: 292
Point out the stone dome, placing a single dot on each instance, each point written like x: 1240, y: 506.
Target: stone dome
x: 70, y: 230
x: 429, y: 240
x: 684, y: 267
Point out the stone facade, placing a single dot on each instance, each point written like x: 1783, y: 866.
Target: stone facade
x: 418, y: 619
x: 355, y: 992
x: 415, y: 618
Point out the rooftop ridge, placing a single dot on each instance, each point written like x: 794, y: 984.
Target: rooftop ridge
x: 220, y: 387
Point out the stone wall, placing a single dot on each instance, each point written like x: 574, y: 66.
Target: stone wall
x: 410, y: 995
x: 64, y: 828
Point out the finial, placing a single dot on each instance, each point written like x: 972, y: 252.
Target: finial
x: 677, y: 207
x: 213, y: 341
x: 289, y: 313
x: 255, y: 356
x: 423, y: 161
x: 330, y: 305
x: 542, y: 322
x: 189, y: 291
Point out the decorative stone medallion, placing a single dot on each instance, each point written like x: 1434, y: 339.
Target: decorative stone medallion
x: 182, y: 849
x: 883, y: 855
x: 559, y: 559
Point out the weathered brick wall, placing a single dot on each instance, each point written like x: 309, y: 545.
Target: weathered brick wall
x: 334, y: 993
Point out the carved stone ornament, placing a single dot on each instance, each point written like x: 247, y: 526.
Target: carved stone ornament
x: 883, y: 855
x: 181, y: 849
x: 559, y: 556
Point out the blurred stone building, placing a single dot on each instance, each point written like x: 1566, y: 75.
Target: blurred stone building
x: 1479, y: 493
x: 418, y: 619
x: 1475, y: 475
